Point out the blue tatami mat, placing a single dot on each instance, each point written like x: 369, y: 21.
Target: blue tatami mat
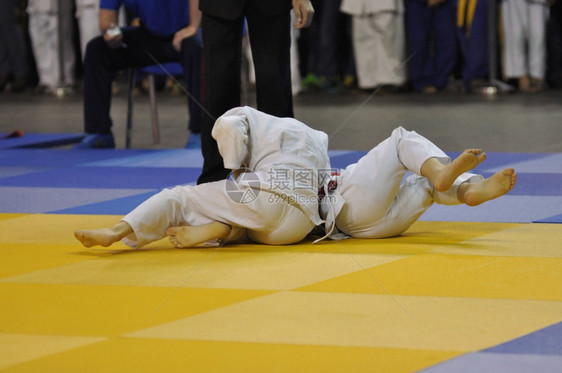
x: 56, y: 158
x: 117, y: 206
x: 488, y: 362
x: 90, y: 182
x: 39, y: 140
x: 547, y: 341
x: 105, y: 177
x: 51, y: 200
x: 115, y: 181
x: 541, y: 349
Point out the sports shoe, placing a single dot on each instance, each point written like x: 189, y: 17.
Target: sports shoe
x: 194, y: 141
x: 96, y: 141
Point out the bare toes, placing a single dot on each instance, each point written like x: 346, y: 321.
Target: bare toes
x: 481, y: 157
x: 175, y: 242
x: 478, y: 153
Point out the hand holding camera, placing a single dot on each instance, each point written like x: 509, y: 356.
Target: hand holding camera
x: 113, y: 37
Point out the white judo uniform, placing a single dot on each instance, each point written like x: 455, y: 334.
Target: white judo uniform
x: 379, y: 41
x: 276, y: 202
x: 44, y: 31
x: 524, y: 25
x: 373, y: 201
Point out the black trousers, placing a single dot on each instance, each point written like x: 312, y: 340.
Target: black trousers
x: 101, y: 64
x: 13, y: 50
x: 335, y: 45
x: 270, y: 41
x: 554, y: 47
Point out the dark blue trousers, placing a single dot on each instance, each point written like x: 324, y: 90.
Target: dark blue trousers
x: 335, y: 47
x: 554, y: 47
x: 13, y: 51
x: 474, y: 45
x: 432, y: 43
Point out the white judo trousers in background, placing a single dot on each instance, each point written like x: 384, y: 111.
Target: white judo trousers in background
x: 377, y: 204
x: 379, y: 41
x: 44, y: 31
x: 283, y: 153
x: 87, y: 14
x: 524, y: 23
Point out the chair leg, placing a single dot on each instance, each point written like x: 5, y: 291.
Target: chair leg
x: 153, y: 110
x: 131, y: 97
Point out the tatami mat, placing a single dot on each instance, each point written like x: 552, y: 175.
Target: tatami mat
x: 475, y: 289
x: 125, y: 178
x: 38, y: 140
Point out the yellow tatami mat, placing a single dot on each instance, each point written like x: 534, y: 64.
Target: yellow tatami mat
x: 442, y: 290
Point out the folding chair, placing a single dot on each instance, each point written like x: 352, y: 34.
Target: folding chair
x: 173, y: 68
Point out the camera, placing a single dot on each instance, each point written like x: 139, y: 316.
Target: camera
x: 114, y: 38
x: 113, y: 32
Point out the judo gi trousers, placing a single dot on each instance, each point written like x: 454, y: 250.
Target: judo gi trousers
x: 44, y: 33
x: 268, y: 218
x: 87, y: 14
x: 379, y: 46
x: 377, y: 204
x: 525, y: 29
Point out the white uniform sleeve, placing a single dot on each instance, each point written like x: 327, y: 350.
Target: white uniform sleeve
x: 231, y: 134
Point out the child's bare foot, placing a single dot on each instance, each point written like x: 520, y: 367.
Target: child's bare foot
x: 103, y: 237
x: 493, y: 187
x: 189, y: 235
x: 182, y: 236
x: 468, y: 160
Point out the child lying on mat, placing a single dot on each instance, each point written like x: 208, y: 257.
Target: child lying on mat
x: 365, y: 200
